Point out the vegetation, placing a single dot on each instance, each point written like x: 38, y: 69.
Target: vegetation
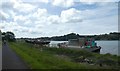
x: 9, y: 36
x: 0, y: 39
x: 110, y: 36
x: 40, y: 57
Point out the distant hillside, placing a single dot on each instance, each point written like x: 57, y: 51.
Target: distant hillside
x: 110, y: 36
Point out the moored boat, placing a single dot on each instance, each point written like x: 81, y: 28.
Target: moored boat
x: 88, y: 44
x: 38, y: 42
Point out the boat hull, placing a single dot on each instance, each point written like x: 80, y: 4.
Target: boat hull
x: 93, y: 49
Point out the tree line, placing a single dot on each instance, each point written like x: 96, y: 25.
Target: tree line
x: 110, y: 36
x: 9, y: 36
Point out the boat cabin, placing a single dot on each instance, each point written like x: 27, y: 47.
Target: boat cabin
x: 86, y: 42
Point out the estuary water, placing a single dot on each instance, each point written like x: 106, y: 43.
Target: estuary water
x: 111, y: 47
x: 107, y: 46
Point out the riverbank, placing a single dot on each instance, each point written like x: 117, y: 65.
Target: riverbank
x: 62, y: 58
x: 106, y: 46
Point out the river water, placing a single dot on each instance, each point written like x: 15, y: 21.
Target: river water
x: 107, y: 46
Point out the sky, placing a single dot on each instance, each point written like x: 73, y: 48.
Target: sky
x: 46, y: 18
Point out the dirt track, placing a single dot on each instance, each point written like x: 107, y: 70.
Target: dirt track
x: 10, y: 60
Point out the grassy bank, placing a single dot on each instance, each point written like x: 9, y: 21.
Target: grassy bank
x: 0, y: 44
x: 61, y: 58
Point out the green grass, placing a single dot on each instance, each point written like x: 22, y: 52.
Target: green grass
x: 50, y: 58
x: 0, y: 43
x: 111, y: 61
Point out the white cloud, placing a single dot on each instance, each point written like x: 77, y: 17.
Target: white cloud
x: 100, y: 12
x: 17, y: 5
x: 3, y: 16
x: 8, y: 26
x: 99, y: 1
x: 39, y: 25
x: 43, y: 1
x: 12, y: 14
x: 39, y: 1
x: 96, y: 1
x: 23, y: 20
x: 28, y: 20
x: 24, y: 7
x: 2, y: 26
x: 20, y: 18
x: 40, y: 13
x: 35, y: 31
x: 54, y: 19
x: 63, y: 3
x: 71, y: 15
x: 99, y: 25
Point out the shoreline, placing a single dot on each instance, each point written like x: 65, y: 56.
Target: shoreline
x: 74, y: 57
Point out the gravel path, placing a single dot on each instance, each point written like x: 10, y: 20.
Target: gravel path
x: 10, y: 60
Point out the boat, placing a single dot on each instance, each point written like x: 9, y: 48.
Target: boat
x: 38, y: 42
x: 87, y: 44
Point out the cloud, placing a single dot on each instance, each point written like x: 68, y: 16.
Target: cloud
x: 35, y: 31
x: 39, y: 1
x: 7, y: 10
x: 3, y: 16
x: 18, y: 5
x: 54, y: 19
x: 8, y: 26
x: 24, y: 7
x: 26, y: 19
x: 63, y: 3
x: 23, y: 20
x: 96, y: 1
x: 20, y: 18
x: 43, y: 1
x: 6, y: 5
x: 101, y: 11
x: 15, y: 10
x: 98, y: 25
x: 71, y: 15
x: 40, y: 13
x: 2, y: 26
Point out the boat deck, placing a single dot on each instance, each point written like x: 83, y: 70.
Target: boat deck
x: 94, y: 49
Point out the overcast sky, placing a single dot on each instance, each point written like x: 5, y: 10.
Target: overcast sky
x: 27, y: 18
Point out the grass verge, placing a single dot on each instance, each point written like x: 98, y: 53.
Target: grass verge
x: 49, y: 58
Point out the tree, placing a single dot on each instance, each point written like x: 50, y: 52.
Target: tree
x: 9, y: 36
